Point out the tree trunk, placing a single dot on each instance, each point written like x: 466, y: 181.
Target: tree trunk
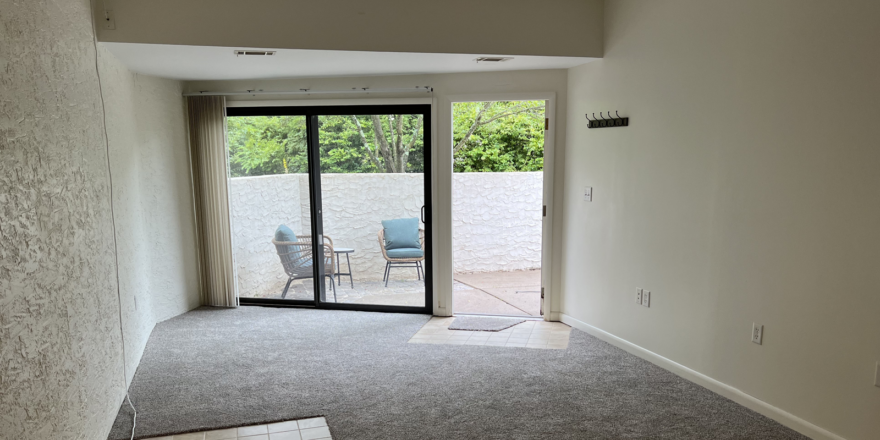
x: 412, y: 142
x: 382, y: 143
x: 373, y: 154
x: 399, y: 151
x: 477, y: 123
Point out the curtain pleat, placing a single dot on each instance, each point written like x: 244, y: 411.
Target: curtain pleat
x: 207, y: 132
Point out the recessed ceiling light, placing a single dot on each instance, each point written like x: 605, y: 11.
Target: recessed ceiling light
x: 254, y: 52
x: 493, y: 59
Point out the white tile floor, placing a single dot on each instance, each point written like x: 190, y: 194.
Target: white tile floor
x: 529, y: 334
x: 305, y: 429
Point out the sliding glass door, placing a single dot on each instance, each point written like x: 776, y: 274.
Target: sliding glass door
x: 331, y: 206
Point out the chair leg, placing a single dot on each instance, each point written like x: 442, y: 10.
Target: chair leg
x: 350, y: 274
x: 418, y: 272
x: 284, y: 294
x: 387, y: 273
x: 334, y: 288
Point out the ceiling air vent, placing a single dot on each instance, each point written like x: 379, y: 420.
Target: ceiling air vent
x: 492, y: 59
x: 263, y: 53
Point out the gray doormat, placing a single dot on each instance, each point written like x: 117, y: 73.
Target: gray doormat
x: 481, y: 324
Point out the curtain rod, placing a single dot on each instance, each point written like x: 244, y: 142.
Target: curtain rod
x: 419, y: 89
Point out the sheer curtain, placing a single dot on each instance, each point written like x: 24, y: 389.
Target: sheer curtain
x: 207, y: 133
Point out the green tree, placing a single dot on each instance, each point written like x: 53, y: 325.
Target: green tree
x: 501, y: 136
x: 261, y: 145
x: 488, y: 137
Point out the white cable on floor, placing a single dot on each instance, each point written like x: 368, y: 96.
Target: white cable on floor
x: 112, y: 217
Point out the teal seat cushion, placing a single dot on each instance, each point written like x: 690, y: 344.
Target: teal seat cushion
x: 401, y: 233
x: 405, y: 253
x: 283, y: 233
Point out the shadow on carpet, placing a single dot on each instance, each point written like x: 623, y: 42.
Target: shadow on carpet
x: 217, y: 368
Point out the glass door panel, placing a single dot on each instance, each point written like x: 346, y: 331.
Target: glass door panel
x: 269, y: 200
x: 329, y: 206
x: 373, y: 199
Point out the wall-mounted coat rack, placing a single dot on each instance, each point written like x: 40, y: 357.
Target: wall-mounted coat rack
x: 602, y: 122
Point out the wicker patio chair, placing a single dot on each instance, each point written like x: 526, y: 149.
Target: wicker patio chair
x: 391, y: 261
x: 296, y: 257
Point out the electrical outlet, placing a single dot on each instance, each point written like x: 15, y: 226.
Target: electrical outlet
x: 638, y: 296
x: 757, y: 333
x: 877, y: 375
x: 646, y: 298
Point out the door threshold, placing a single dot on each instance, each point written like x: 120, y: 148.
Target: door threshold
x: 489, y: 315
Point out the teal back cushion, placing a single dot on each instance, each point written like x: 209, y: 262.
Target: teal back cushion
x: 283, y: 233
x: 401, y: 233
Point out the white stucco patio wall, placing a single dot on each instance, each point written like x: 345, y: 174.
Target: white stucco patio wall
x: 259, y: 205
x: 497, y: 220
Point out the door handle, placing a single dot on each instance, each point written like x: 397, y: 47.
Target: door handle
x: 423, y: 213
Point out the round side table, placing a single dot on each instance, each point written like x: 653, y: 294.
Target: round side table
x: 339, y: 274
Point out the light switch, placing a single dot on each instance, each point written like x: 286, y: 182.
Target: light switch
x: 588, y: 193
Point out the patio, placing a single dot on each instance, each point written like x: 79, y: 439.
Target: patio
x: 497, y: 245
x: 496, y: 293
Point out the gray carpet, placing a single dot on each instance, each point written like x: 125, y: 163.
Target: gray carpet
x: 481, y: 324
x: 217, y: 368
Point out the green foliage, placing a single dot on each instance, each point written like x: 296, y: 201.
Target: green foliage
x: 509, y: 138
x: 263, y: 145
x: 260, y: 145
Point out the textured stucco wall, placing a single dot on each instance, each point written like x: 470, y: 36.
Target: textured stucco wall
x: 59, y: 326
x: 158, y: 270
x: 60, y: 345
x: 259, y: 205
x: 354, y: 207
x: 497, y: 220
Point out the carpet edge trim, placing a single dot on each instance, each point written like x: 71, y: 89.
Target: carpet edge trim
x: 753, y: 403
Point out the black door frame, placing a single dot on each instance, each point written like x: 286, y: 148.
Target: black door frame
x: 314, y: 176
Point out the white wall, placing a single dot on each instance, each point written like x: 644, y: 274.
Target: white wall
x: 152, y: 196
x: 258, y: 205
x: 512, y: 27
x: 745, y: 190
x: 516, y: 85
x: 496, y: 221
x: 59, y: 330
x: 60, y: 343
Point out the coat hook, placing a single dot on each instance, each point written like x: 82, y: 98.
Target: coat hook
x: 603, y: 117
x: 588, y: 117
x: 615, y: 112
x: 594, y: 117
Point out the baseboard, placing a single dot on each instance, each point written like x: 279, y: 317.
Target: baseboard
x: 796, y: 423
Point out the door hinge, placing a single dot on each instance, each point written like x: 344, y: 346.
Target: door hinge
x: 545, y: 211
x: 542, y: 302
x: 546, y: 124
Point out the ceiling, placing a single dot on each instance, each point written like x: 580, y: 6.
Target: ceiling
x: 220, y: 63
